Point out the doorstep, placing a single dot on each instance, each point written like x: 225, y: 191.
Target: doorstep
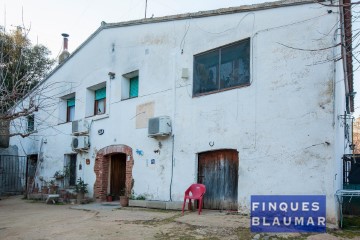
x: 113, y: 203
x: 175, y: 205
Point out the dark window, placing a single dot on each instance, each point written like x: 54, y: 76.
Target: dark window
x: 222, y: 68
x: 70, y: 168
x: 100, y: 101
x: 30, y: 123
x: 72, y: 172
x: 70, y: 111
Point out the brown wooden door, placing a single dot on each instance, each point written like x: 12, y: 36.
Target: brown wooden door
x: 218, y: 171
x: 117, y: 174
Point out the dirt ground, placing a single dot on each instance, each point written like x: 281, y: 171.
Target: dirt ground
x: 27, y: 219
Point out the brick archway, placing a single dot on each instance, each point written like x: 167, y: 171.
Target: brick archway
x: 101, y: 169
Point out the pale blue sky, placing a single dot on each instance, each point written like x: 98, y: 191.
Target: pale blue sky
x: 80, y: 18
x: 47, y: 19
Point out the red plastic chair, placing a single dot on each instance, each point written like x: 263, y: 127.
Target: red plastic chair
x: 196, y: 191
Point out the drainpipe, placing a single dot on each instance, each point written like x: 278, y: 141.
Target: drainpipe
x: 172, y: 127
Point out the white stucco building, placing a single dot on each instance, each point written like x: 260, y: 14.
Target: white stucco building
x: 254, y: 94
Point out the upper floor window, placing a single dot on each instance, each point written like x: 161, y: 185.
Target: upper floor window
x: 30, y: 123
x: 134, y: 87
x: 67, y: 108
x: 222, y: 68
x: 100, y: 101
x: 70, y: 110
x: 130, y: 85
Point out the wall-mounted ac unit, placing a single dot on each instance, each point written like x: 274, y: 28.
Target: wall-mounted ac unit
x: 80, y: 143
x: 80, y: 127
x: 159, y: 126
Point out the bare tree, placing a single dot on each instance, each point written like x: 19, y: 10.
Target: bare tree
x: 22, y: 67
x: 349, y: 40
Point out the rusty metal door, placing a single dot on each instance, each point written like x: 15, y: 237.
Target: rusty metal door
x: 218, y: 171
x: 12, y: 174
x: 118, y: 174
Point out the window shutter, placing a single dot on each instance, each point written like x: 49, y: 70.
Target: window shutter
x: 134, y: 87
x: 71, y: 102
x: 100, y: 94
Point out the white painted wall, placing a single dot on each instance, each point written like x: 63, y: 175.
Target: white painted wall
x: 284, y: 125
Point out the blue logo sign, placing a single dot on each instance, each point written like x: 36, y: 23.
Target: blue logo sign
x: 288, y: 213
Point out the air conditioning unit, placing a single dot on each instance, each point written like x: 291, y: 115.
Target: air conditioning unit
x: 80, y: 127
x: 80, y: 143
x: 159, y: 126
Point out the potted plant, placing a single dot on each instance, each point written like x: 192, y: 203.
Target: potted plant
x: 109, y: 197
x: 44, y: 185
x: 80, y: 189
x: 124, y: 198
x: 61, y: 174
x: 44, y: 189
x: 58, y: 175
x: 53, y: 187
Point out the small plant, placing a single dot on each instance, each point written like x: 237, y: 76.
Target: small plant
x: 58, y: 175
x: 140, y: 197
x: 122, y: 192
x: 64, y: 173
x: 81, y: 186
x: 52, y: 183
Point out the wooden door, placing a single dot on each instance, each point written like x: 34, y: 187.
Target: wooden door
x: 117, y: 174
x: 72, y: 169
x: 218, y: 171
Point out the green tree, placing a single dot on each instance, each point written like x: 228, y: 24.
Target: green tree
x: 22, y: 67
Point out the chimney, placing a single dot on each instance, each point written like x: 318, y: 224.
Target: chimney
x: 65, y: 35
x: 65, y: 53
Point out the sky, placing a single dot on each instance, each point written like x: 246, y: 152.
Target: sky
x: 46, y: 20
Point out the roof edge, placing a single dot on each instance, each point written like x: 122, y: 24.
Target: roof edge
x: 200, y: 14
x: 210, y: 13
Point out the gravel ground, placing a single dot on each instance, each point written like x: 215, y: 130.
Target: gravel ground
x: 27, y: 219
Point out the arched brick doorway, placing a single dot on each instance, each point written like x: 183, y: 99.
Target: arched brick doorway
x: 101, y: 169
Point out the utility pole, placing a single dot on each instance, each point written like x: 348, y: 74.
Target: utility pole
x: 145, y: 7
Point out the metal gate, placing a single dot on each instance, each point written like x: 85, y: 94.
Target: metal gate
x: 12, y: 174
